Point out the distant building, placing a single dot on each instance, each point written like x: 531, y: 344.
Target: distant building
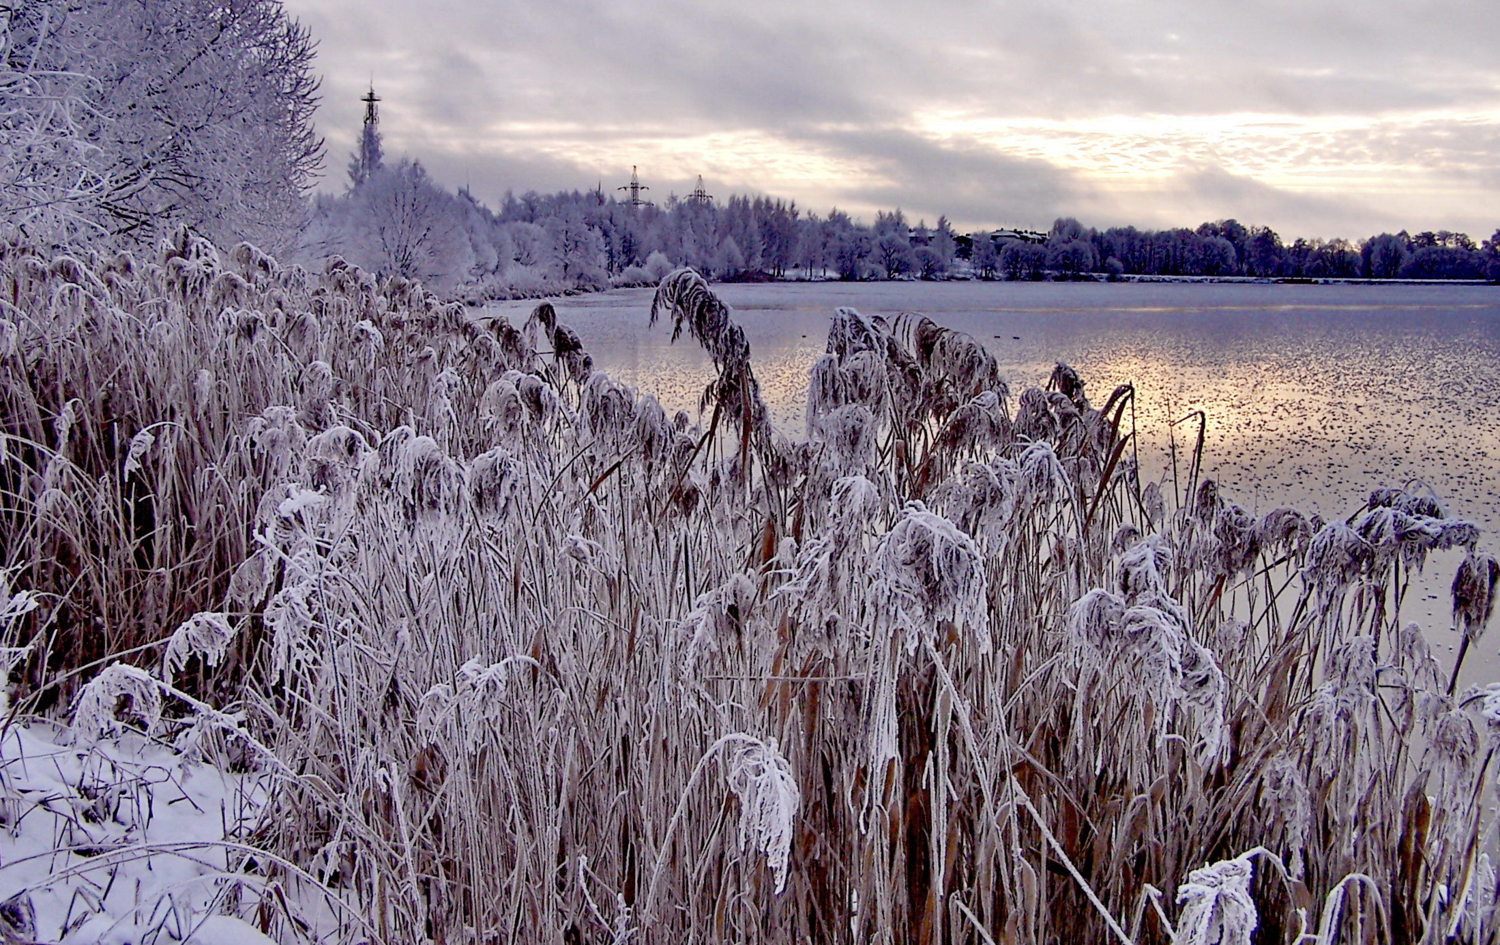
x: 1029, y: 236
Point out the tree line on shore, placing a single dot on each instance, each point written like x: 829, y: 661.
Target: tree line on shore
x: 120, y: 125
x: 1230, y: 248
x: 535, y: 244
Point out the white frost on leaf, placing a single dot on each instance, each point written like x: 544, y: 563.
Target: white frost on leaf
x: 1217, y: 908
x: 96, y: 714
x: 205, y: 635
x: 769, y: 800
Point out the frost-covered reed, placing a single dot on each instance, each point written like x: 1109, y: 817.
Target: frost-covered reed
x: 528, y: 659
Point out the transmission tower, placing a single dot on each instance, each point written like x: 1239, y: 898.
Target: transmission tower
x: 635, y: 187
x: 699, y: 195
x: 370, y: 98
x: 368, y: 157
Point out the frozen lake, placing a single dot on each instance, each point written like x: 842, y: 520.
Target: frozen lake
x: 1314, y: 394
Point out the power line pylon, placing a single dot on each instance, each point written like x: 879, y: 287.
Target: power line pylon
x: 635, y: 187
x: 699, y: 195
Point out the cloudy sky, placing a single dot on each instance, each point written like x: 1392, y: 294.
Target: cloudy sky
x: 1316, y: 117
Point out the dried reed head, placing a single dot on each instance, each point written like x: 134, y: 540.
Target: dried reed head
x: 1286, y: 530
x: 1288, y: 806
x: 119, y: 690
x: 607, y: 410
x: 685, y: 295
x: 1234, y: 542
x: 568, y: 350
x: 1042, y: 479
x: 1095, y: 618
x: 957, y: 367
x: 333, y: 460
x: 1474, y: 593
x: 848, y: 438
x: 1143, y: 569
x: 205, y: 635
x: 761, y: 779
x: 984, y: 496
x: 1044, y: 416
x: 1217, y: 908
x: 494, y: 482
x: 501, y: 409
x: 1067, y: 382
x: 855, y: 504
x: 1455, y: 743
x: 925, y: 571
x: 140, y: 445
x: 428, y: 483
x: 543, y: 405
x: 304, y: 335
x: 1204, y: 691
x: 717, y: 618
x: 850, y: 333
x: 280, y: 439
x: 981, y: 425
x: 1336, y: 557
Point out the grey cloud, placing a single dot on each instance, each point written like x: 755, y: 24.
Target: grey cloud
x: 1207, y: 192
x: 458, y: 76
x: 453, y: 90
x: 776, y: 61
x: 608, y: 61
x: 970, y: 183
x: 489, y: 179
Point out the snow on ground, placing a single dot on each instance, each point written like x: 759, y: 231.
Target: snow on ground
x: 124, y: 841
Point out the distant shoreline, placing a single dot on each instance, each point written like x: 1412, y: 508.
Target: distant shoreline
x: 1141, y: 277
x: 1099, y: 277
x: 1293, y: 280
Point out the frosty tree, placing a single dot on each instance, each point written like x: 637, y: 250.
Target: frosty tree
x: 403, y: 224
x: 126, y: 118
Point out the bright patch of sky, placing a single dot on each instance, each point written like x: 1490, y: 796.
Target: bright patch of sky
x: 1319, y: 119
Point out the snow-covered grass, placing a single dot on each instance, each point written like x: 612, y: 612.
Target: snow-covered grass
x: 502, y: 652
x: 125, y: 840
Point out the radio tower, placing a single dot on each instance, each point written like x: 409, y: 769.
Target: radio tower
x: 635, y: 187
x: 699, y: 195
x: 368, y: 158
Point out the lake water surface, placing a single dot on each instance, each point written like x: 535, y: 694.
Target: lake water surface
x: 1314, y: 394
